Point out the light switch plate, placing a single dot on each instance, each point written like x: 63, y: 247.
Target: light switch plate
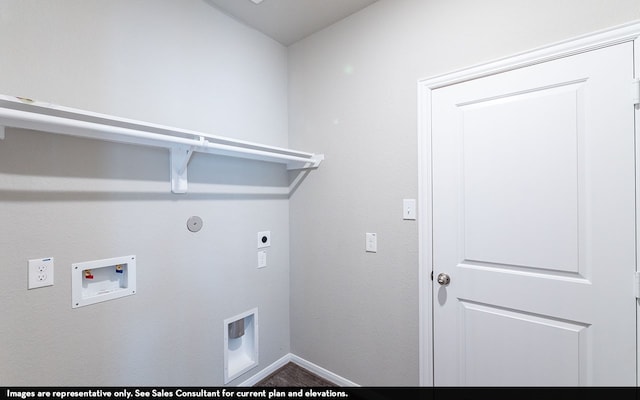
x: 262, y: 259
x: 409, y: 209
x: 40, y: 272
x: 371, y: 242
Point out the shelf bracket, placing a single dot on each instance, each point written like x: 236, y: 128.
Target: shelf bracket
x: 311, y: 163
x: 180, y: 156
x: 22, y: 113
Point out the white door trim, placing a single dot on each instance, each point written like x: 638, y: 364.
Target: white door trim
x: 608, y: 37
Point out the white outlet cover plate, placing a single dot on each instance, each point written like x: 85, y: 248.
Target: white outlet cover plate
x: 262, y: 242
x: 40, y: 272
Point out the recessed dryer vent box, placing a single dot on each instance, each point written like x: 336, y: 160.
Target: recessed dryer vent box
x: 240, y: 344
x: 101, y: 280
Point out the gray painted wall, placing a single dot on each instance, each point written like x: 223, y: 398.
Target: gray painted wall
x: 178, y: 63
x: 352, y: 96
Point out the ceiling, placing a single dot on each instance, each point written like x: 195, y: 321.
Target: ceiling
x: 288, y: 21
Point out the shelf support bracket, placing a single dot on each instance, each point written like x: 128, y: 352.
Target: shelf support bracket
x: 22, y: 113
x: 180, y: 156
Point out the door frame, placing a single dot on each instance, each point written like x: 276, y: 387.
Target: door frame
x: 629, y: 32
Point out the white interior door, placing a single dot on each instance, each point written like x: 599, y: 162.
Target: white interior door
x: 534, y: 224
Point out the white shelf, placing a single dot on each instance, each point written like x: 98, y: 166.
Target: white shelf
x: 24, y: 113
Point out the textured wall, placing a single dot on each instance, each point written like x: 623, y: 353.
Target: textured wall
x: 352, y: 96
x: 179, y: 63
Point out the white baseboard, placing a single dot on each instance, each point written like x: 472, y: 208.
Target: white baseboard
x: 316, y: 369
x: 321, y: 372
x: 267, y: 371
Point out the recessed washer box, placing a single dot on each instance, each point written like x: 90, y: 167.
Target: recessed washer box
x: 101, y: 280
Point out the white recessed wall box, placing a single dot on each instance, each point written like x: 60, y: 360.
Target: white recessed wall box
x: 240, y: 344
x: 101, y: 280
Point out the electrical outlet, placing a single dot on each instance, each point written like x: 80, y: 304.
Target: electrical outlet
x: 40, y: 272
x: 264, y: 239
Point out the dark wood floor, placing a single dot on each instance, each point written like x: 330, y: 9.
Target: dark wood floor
x: 293, y: 375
